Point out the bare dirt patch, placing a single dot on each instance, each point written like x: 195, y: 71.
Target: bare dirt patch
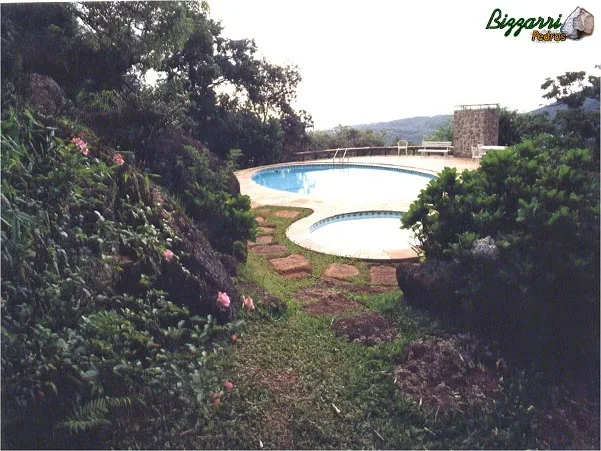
x: 383, y: 275
x: 448, y: 373
x: 270, y: 250
x: 367, y: 328
x: 287, y: 214
x: 323, y: 301
x: 570, y: 420
x: 290, y: 264
x: 330, y: 282
x: 341, y: 271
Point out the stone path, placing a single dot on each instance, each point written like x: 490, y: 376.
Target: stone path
x: 383, y: 275
x: 270, y: 250
x: 266, y: 230
x: 341, y: 271
x: 291, y: 264
x: 287, y: 214
x: 260, y: 220
x: 261, y: 239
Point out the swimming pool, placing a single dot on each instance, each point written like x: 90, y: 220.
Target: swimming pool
x: 364, y: 234
x: 347, y: 181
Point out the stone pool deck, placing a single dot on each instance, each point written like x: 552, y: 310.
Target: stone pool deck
x: 324, y: 207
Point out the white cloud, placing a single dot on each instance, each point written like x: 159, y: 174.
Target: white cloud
x: 381, y: 60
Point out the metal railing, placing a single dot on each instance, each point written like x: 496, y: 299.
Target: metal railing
x: 342, y: 157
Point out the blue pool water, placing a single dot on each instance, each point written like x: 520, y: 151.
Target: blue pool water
x: 347, y: 180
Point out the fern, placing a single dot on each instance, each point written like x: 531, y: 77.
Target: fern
x: 93, y: 414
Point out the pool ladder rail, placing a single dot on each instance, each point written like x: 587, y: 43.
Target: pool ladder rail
x: 342, y: 157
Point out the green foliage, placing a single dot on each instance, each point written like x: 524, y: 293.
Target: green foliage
x: 540, y: 205
x: 93, y: 414
x: 573, y: 126
x: 443, y: 133
x: 86, y: 336
x: 343, y: 136
x: 570, y: 90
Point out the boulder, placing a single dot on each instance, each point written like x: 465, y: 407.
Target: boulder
x: 44, y: 94
x: 432, y: 284
x: 205, y: 273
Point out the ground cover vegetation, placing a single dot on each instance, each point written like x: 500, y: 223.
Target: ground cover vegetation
x: 134, y: 314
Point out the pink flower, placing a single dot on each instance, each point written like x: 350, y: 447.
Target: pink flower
x: 223, y: 300
x: 81, y: 145
x: 118, y: 158
x: 168, y: 255
x: 228, y: 385
x: 248, y: 303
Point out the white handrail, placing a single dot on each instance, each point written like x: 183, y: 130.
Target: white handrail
x: 342, y: 157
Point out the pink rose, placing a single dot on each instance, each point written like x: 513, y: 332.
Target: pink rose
x: 248, y: 303
x: 118, y: 158
x: 228, y: 385
x: 223, y: 300
x: 168, y: 255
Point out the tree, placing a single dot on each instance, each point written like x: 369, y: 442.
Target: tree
x: 443, y: 133
x: 570, y: 90
x: 272, y: 89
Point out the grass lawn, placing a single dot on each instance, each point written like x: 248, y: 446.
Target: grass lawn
x: 298, y: 385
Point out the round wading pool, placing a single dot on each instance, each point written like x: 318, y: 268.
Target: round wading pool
x: 365, y: 234
x: 344, y: 181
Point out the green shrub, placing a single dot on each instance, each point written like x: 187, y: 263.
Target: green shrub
x: 86, y: 346
x: 540, y: 206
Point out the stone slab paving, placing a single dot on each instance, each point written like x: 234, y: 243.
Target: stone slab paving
x: 270, y: 250
x: 261, y: 239
x: 266, y: 230
x: 260, y: 220
x: 383, y: 275
x: 341, y: 271
x: 290, y: 264
x: 287, y: 214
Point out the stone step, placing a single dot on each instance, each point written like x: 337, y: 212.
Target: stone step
x: 383, y: 275
x: 341, y: 271
x: 270, y: 250
x: 290, y: 264
x: 261, y: 239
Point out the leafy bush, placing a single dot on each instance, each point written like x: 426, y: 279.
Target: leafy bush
x: 89, y: 342
x: 536, y: 284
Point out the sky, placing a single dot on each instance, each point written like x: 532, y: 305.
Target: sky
x: 380, y: 60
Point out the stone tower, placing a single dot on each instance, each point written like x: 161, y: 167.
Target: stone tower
x: 473, y: 125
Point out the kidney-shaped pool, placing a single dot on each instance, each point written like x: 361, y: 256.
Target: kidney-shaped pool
x: 344, y: 181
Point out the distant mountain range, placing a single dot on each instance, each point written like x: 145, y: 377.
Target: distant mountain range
x: 412, y: 129
x: 589, y: 105
x: 415, y: 128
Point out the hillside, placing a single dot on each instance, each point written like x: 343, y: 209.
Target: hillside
x: 415, y: 128
x: 412, y: 129
x: 589, y: 105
